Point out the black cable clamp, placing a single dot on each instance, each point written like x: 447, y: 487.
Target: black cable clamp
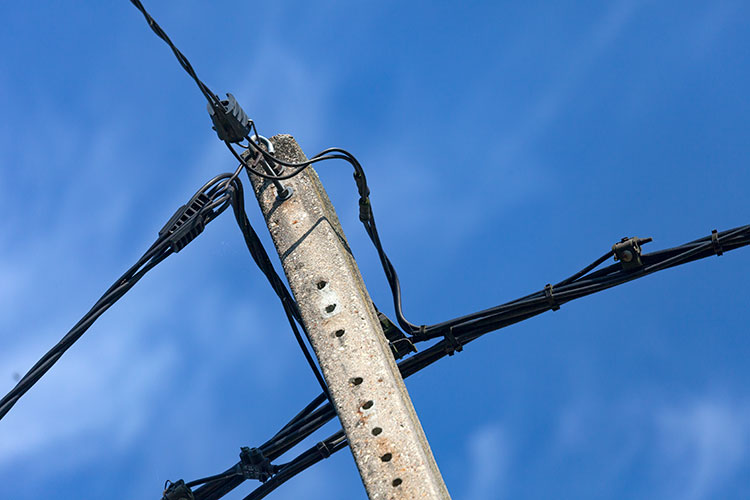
x: 323, y: 449
x: 230, y: 121
x: 177, y: 491
x: 628, y: 252
x: 254, y: 465
x: 453, y: 345
x: 186, y: 224
x: 551, y: 297
x: 716, y: 243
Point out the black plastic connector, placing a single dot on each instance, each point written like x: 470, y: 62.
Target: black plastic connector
x: 186, y: 224
x: 254, y: 465
x: 230, y: 121
x: 177, y: 491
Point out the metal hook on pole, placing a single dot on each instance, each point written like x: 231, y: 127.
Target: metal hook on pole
x: 283, y: 192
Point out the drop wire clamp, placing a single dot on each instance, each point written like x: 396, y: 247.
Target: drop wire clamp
x: 628, y: 252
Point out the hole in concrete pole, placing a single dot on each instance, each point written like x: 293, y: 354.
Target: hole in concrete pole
x: 322, y: 284
x: 376, y: 431
x: 330, y: 308
x: 367, y: 405
x: 357, y: 380
x: 397, y: 482
x: 339, y: 333
x: 387, y: 457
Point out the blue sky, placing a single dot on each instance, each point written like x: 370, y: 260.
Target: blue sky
x: 507, y: 145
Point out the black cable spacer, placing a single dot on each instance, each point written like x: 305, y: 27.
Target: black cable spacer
x: 323, y: 449
x: 453, y: 345
x: 716, y: 243
x: 550, y: 297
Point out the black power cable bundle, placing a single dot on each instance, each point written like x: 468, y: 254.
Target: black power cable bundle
x: 187, y: 223
x: 466, y: 329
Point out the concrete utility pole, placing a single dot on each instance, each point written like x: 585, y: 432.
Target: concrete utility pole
x: 384, y: 433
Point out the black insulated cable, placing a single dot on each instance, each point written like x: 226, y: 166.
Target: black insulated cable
x: 212, y: 99
x: 263, y: 261
x: 186, y: 224
x: 587, y: 281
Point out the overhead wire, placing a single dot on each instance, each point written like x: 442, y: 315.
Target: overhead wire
x: 212, y: 98
x: 585, y: 282
x: 192, y: 216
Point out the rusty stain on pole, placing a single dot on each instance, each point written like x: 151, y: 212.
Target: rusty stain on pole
x: 369, y: 395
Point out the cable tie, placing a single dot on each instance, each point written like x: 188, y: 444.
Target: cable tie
x: 422, y: 335
x: 453, y: 345
x: 323, y: 449
x: 177, y: 491
x: 550, y: 297
x: 716, y: 243
x: 365, y: 209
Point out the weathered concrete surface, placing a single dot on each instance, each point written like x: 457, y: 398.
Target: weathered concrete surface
x: 384, y: 433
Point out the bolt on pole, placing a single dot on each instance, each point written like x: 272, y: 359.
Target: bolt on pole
x: 368, y: 393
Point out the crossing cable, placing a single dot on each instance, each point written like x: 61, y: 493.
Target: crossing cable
x: 587, y: 281
x: 263, y: 261
x: 186, y: 224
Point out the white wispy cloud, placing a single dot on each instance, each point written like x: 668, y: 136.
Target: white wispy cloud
x: 550, y: 103
x: 680, y: 448
x: 489, y: 451
x: 701, y: 444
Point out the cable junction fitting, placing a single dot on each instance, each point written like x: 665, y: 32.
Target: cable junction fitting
x: 254, y: 465
x: 628, y: 252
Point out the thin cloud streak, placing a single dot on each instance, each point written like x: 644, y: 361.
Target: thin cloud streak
x: 702, y: 444
x: 489, y: 458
